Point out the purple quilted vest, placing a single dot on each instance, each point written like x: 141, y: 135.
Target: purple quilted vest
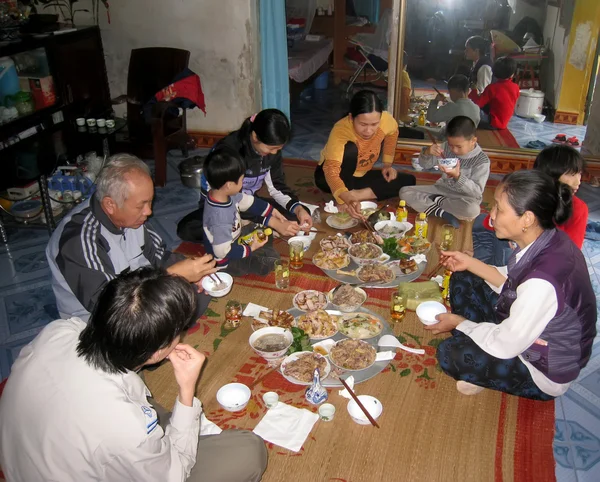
x: 565, y: 346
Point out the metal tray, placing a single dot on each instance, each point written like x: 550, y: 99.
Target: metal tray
x: 400, y: 278
x: 359, y: 375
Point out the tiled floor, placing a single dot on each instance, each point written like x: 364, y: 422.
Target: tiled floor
x: 27, y: 302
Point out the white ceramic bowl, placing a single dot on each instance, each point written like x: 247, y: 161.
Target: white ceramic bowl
x: 347, y: 308
x: 372, y: 405
x: 209, y: 284
x: 305, y: 240
x: 233, y: 397
x: 428, y: 310
x: 275, y: 355
x: 539, y: 118
x: 405, y: 227
x: 382, y: 258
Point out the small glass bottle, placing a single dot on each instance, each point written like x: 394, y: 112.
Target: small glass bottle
x: 261, y: 235
x: 422, y: 118
x: 421, y: 226
x: 401, y: 212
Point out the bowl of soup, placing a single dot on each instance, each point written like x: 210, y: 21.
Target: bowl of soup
x: 272, y: 343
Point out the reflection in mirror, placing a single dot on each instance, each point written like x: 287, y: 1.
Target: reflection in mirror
x: 504, y: 63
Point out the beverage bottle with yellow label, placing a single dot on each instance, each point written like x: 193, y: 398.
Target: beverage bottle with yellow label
x: 421, y: 226
x: 401, y: 212
x: 260, y: 234
x: 422, y: 118
x: 446, y: 285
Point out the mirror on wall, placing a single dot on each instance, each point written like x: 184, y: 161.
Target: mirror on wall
x: 473, y: 45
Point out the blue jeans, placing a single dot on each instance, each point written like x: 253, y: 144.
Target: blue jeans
x: 487, y: 247
x: 462, y: 359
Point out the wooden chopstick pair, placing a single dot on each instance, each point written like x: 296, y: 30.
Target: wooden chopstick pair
x: 358, y: 402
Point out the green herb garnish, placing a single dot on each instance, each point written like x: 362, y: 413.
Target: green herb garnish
x: 301, y: 341
x: 390, y: 247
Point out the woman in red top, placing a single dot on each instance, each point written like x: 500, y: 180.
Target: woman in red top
x: 561, y: 162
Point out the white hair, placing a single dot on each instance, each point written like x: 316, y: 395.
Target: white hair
x: 111, y: 181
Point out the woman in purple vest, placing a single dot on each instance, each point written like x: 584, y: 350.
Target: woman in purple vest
x: 538, y: 335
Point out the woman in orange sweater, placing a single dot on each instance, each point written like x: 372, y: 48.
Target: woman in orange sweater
x: 354, y: 146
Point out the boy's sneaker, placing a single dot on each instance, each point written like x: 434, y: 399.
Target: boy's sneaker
x: 573, y: 141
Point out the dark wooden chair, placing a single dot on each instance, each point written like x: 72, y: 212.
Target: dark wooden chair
x: 150, y: 70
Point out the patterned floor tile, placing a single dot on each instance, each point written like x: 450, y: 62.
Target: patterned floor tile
x: 22, y: 266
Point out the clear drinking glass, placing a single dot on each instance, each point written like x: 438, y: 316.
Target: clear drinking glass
x: 398, y: 306
x: 447, y: 237
x: 282, y: 274
x: 296, y: 254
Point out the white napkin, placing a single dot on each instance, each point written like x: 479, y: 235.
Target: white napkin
x: 286, y: 426
x: 350, y: 382
x: 330, y: 208
x: 207, y: 427
x: 419, y: 258
x: 439, y: 279
x: 385, y: 355
x: 253, y: 310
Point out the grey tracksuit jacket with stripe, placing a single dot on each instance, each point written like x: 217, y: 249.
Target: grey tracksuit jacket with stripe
x: 87, y: 250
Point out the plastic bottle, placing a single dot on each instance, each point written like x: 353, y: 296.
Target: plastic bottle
x: 422, y: 118
x: 261, y: 235
x: 421, y: 226
x: 446, y: 285
x: 401, y: 212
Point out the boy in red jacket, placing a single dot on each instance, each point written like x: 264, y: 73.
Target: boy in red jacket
x: 498, y: 100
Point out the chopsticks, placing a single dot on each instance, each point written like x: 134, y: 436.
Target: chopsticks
x: 360, y: 405
x: 219, y: 280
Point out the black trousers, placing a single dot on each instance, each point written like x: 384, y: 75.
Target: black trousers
x: 373, y: 179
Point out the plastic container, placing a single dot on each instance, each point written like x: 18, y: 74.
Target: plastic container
x: 401, y: 212
x: 421, y: 226
x: 9, y: 79
x: 530, y: 103
x: 322, y: 81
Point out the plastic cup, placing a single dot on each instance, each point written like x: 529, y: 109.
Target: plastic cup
x: 326, y: 412
x: 271, y: 399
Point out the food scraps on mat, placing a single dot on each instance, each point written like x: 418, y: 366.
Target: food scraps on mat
x: 352, y: 354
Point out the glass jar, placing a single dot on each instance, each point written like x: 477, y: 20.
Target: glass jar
x: 233, y: 314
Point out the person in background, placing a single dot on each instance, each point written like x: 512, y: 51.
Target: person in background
x: 406, y: 90
x: 459, y: 192
x: 498, y: 101
x: 74, y: 407
x: 481, y: 71
x: 354, y: 146
x: 461, y: 105
x: 107, y: 235
x: 259, y: 142
x: 224, y: 170
x: 562, y: 163
x: 527, y: 328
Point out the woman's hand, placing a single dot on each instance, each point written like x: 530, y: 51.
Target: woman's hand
x: 448, y: 322
x: 456, y: 261
x: 351, y: 206
x: 435, y: 150
x: 304, y: 218
x: 194, y: 269
x: 285, y: 227
x: 389, y: 173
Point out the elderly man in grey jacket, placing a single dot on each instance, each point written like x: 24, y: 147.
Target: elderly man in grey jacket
x: 108, y: 235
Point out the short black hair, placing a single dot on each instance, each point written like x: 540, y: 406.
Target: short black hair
x: 223, y: 165
x: 478, y: 43
x: 137, y: 314
x: 365, y: 102
x: 461, y: 126
x: 460, y: 83
x: 558, y: 160
x: 504, y: 67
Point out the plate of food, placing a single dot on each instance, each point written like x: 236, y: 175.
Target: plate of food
x: 375, y: 273
x: 318, y: 324
x: 365, y: 236
x: 404, y: 266
x: 283, y: 319
x: 310, y: 300
x: 341, y: 221
x: 352, y: 355
x: 359, y: 326
x: 366, y: 253
x: 413, y: 245
x: 392, y: 229
x: 334, y: 242
x: 347, y: 298
x: 334, y: 259
x: 299, y: 367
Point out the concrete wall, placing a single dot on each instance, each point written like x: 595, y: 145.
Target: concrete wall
x: 591, y: 144
x: 522, y: 10
x: 222, y: 36
x: 556, y: 39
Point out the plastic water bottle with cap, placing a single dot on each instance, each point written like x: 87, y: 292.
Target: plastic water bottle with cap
x: 9, y: 79
x: 421, y: 226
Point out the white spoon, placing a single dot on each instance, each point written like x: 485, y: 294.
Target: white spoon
x: 389, y: 340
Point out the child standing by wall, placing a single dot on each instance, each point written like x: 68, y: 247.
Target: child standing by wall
x: 497, y: 103
x: 458, y: 194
